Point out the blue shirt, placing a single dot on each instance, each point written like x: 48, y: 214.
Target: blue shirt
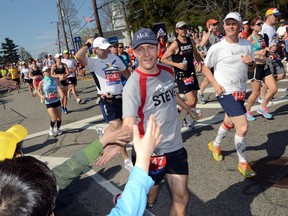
x: 50, y: 89
x: 134, y: 197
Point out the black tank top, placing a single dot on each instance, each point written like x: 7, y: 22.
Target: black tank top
x: 59, y: 70
x: 185, y: 51
x: 36, y: 72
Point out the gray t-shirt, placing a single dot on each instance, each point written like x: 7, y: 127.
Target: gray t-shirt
x: 213, y: 39
x: 146, y: 94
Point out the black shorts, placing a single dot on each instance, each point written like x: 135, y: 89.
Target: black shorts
x: 176, y: 163
x: 261, y: 71
x: 184, y: 88
x: 64, y: 82
x: 30, y: 81
x: 53, y: 105
x: 72, y: 80
x: 17, y: 80
x: 113, y: 108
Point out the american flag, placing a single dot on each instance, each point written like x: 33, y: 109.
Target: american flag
x: 87, y: 19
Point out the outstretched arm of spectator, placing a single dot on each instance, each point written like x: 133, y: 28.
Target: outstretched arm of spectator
x: 134, y: 197
x: 79, y: 162
x: 112, y: 149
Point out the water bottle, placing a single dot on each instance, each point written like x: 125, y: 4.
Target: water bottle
x: 185, y: 63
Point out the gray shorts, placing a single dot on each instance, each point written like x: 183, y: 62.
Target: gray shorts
x: 276, y: 67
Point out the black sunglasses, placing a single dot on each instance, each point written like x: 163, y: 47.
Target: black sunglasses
x: 259, y: 24
x: 215, y: 24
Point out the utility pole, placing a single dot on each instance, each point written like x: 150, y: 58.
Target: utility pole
x: 62, y: 23
x: 58, y: 36
x: 98, y: 25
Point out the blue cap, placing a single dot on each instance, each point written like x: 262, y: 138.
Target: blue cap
x: 144, y: 36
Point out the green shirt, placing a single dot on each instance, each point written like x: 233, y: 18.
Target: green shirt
x: 77, y: 164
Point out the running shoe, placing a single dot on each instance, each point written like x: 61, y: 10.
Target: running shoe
x: 201, y: 99
x: 216, y: 152
x: 33, y: 94
x: 260, y: 101
x: 100, y: 131
x: 249, y: 116
x: 128, y: 164
x: 245, y: 170
x: 51, y: 132
x: 264, y: 112
x: 42, y: 100
x: 78, y: 100
x: 59, y: 131
x: 188, y: 123
x: 63, y: 110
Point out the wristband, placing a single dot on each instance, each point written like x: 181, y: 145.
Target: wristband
x: 88, y: 44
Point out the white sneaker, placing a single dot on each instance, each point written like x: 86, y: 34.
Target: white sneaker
x: 188, y: 123
x: 51, y: 132
x: 59, y: 131
x: 78, y: 100
x: 260, y: 101
x: 100, y: 131
x: 128, y: 164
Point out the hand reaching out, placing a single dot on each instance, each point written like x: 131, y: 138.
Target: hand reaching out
x: 144, y: 147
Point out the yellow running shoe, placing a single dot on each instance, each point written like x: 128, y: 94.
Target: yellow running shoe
x: 246, y: 170
x: 216, y: 152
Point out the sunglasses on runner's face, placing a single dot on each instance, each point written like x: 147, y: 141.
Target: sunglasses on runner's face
x: 215, y: 24
x: 120, y: 47
x: 259, y: 24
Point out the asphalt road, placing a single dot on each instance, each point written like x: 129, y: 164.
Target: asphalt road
x: 215, y: 188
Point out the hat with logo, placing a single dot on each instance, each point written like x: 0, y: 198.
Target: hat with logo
x: 9, y: 140
x: 144, y: 36
x: 272, y: 11
x: 234, y: 15
x: 101, y: 43
x: 211, y: 22
x: 180, y: 24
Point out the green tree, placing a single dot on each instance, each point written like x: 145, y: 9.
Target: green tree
x: 9, y: 50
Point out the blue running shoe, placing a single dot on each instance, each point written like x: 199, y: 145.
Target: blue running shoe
x: 264, y: 112
x: 249, y: 116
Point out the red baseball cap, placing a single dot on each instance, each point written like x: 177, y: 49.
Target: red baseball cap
x: 211, y: 22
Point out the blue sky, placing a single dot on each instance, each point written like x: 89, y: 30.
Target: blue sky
x: 27, y: 23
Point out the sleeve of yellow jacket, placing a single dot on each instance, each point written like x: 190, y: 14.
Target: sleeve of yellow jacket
x: 77, y: 164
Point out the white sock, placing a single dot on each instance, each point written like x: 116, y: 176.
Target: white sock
x: 220, y: 135
x: 240, y: 145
